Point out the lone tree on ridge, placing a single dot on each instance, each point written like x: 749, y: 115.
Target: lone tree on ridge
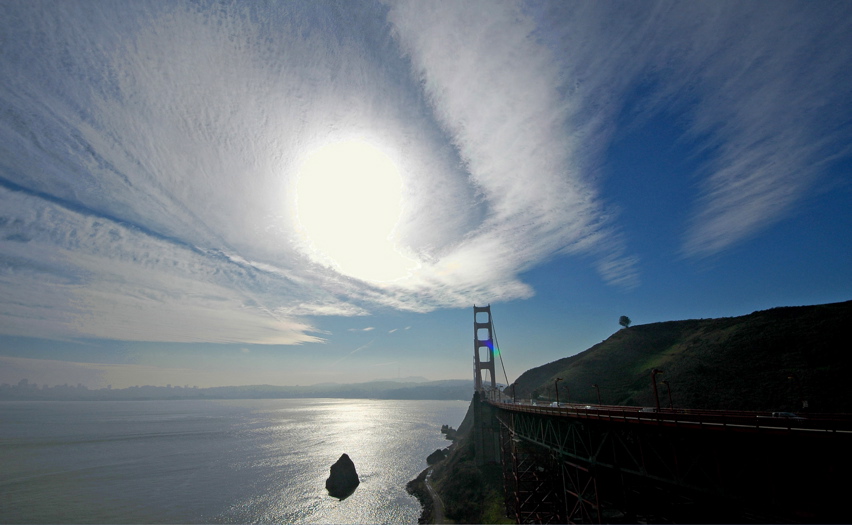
x: 624, y: 321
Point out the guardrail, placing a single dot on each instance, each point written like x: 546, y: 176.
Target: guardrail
x: 740, y: 421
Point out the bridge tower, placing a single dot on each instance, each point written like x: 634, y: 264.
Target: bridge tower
x: 486, y: 428
x: 483, y: 348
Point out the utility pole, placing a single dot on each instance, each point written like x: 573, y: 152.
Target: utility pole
x: 596, y: 387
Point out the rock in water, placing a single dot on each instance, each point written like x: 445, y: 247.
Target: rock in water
x: 343, y: 479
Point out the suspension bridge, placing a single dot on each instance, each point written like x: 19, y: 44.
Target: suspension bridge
x: 578, y: 463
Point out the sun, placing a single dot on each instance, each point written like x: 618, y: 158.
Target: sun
x: 348, y: 203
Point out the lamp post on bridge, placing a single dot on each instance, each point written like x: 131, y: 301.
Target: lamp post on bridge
x: 596, y: 387
x: 556, y: 387
x: 799, y: 389
x: 669, y: 390
x: 654, y: 373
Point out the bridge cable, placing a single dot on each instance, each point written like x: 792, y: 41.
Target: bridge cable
x: 499, y: 352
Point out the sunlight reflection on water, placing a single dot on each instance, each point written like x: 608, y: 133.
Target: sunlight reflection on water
x: 246, y: 461
x: 379, y: 436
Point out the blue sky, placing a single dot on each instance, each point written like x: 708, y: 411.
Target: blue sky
x: 293, y: 193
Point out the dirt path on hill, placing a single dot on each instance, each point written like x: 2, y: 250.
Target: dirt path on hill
x: 437, y: 503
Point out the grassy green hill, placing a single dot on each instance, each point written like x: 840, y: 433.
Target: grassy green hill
x: 735, y: 363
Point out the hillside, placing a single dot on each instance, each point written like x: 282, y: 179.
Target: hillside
x: 735, y: 363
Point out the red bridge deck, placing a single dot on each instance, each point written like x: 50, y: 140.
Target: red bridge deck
x: 736, y: 421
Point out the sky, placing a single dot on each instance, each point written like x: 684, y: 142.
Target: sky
x: 291, y: 193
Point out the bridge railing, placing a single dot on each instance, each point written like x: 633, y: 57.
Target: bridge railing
x: 742, y: 421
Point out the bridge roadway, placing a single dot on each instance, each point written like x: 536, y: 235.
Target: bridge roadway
x: 577, y: 463
x: 736, y: 421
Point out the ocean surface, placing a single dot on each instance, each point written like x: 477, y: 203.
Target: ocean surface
x: 205, y: 461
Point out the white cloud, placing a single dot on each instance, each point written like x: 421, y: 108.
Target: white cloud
x: 760, y: 87
x: 148, y: 151
x: 495, y: 90
x: 72, y: 275
x: 773, y: 101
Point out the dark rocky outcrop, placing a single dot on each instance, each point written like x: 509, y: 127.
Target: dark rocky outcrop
x: 343, y: 479
x: 437, y: 456
x: 417, y: 488
x: 449, y: 432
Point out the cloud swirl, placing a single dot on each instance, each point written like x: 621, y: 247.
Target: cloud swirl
x: 149, y: 151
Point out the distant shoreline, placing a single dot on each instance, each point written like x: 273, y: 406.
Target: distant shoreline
x: 449, y: 390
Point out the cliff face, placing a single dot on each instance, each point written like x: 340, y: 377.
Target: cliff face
x: 470, y: 493
x: 736, y: 363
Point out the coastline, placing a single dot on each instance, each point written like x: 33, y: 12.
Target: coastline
x: 432, y: 508
x: 417, y: 488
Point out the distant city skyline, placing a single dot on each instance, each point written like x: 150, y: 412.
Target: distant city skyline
x: 295, y: 193
x: 459, y: 389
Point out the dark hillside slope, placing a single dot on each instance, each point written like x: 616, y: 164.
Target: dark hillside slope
x: 734, y: 363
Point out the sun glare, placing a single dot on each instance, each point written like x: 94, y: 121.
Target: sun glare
x: 348, y: 202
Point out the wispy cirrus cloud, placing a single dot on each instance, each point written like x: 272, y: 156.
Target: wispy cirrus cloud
x: 161, y: 152
x: 149, y: 151
x: 353, y: 352
x: 68, y: 274
x: 759, y: 88
x: 773, y: 85
x: 496, y: 91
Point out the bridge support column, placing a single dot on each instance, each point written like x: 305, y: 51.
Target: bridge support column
x: 486, y: 431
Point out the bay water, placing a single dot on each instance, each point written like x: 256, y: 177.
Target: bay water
x: 212, y: 461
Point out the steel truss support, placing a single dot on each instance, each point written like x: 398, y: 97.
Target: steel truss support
x: 542, y: 487
x: 583, y: 503
x: 532, y: 484
x: 622, y: 472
